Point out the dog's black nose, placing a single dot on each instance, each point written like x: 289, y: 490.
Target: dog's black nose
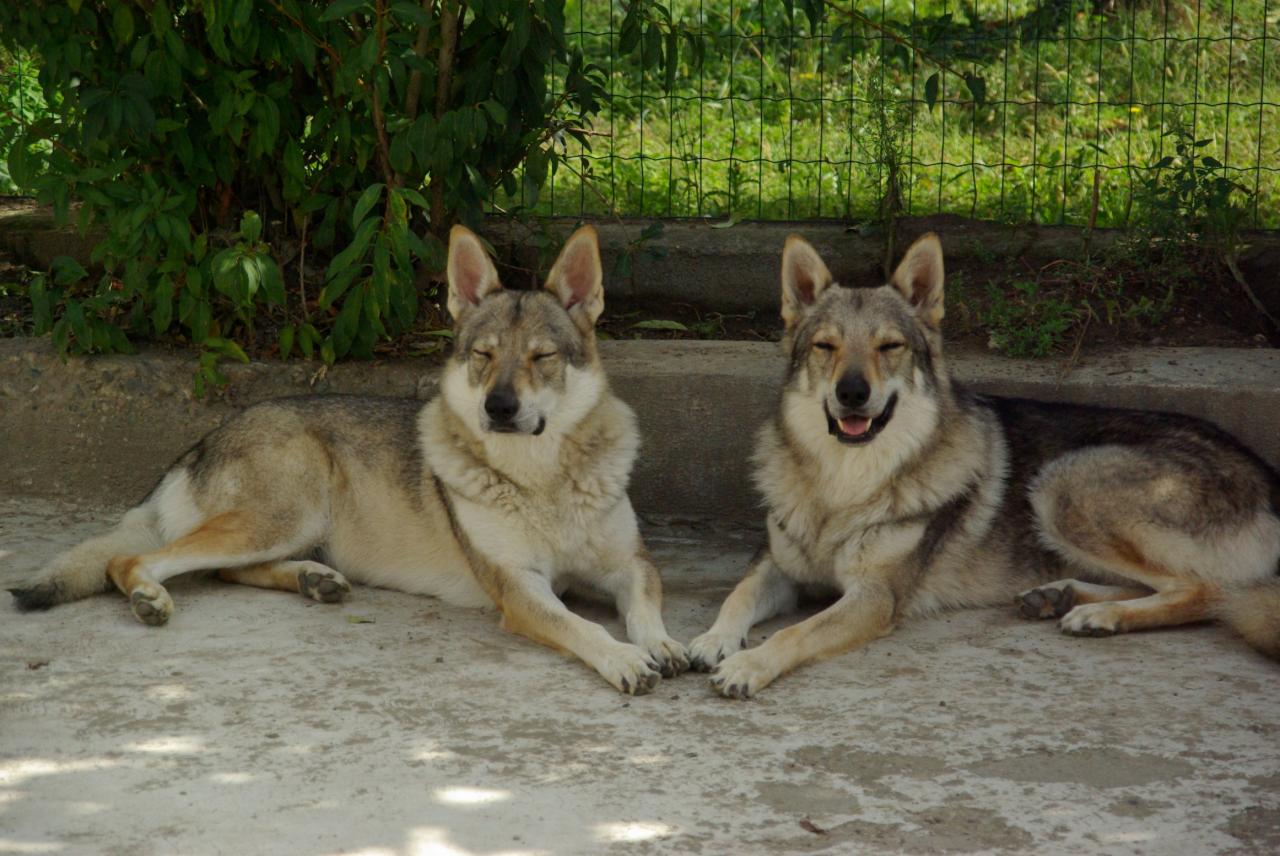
x: 853, y: 390
x: 502, y: 405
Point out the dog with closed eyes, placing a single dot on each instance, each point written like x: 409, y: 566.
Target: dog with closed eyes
x: 891, y: 486
x: 508, y: 489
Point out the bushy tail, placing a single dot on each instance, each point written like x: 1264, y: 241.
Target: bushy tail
x: 82, y: 570
x: 1254, y: 612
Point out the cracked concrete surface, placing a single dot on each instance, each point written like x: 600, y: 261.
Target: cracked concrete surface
x: 259, y: 722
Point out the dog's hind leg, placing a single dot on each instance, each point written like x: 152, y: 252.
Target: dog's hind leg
x: 1165, y: 522
x: 228, y: 540
x: 1056, y: 599
x: 763, y: 593
x: 1162, y: 609
x: 309, y: 578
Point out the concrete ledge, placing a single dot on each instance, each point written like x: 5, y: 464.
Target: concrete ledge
x: 736, y: 269
x: 103, y: 429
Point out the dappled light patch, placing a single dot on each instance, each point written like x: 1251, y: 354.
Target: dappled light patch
x: 470, y: 796
x: 174, y: 745
x: 637, y: 830
x: 23, y: 770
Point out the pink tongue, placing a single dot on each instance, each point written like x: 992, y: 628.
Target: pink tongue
x: 852, y: 426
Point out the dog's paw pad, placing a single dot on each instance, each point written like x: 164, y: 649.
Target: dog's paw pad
x: 323, y: 584
x: 1092, y: 619
x: 1046, y: 602
x: 151, y: 607
x: 708, y: 650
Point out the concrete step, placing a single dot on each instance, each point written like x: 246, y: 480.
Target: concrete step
x: 105, y: 428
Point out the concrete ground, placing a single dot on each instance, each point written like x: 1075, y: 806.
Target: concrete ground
x: 259, y: 722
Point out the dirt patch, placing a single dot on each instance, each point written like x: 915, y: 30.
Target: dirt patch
x: 1258, y: 827
x: 1099, y: 768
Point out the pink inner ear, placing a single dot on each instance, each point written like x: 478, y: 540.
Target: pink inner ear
x: 471, y: 270
x: 577, y: 276
x: 804, y: 286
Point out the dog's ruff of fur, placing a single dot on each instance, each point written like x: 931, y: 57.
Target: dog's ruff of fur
x: 458, y: 499
x: 903, y: 494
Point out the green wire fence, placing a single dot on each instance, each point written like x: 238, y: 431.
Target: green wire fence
x: 769, y: 113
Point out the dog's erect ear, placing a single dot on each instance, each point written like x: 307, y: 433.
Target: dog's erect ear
x: 804, y: 276
x: 471, y: 274
x: 577, y: 279
x: 919, y: 277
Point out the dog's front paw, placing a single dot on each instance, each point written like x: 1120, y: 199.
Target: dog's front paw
x: 706, y: 652
x: 1093, y: 619
x: 669, y: 655
x: 743, y: 674
x: 630, y: 669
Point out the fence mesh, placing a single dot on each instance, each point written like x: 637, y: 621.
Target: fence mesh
x: 791, y: 117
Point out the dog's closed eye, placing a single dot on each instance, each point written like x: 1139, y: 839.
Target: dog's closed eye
x: 891, y: 346
x: 545, y: 356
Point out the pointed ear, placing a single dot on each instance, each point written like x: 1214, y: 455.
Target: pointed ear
x: 804, y: 277
x: 471, y: 274
x: 577, y: 279
x: 919, y: 277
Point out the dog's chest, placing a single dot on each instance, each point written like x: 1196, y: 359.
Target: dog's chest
x: 813, y: 543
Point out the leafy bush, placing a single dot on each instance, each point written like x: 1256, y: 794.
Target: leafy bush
x: 355, y: 130
x: 1025, y: 322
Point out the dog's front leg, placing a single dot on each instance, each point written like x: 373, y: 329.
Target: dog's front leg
x: 637, y: 591
x: 763, y: 593
x: 530, y: 607
x: 863, y: 613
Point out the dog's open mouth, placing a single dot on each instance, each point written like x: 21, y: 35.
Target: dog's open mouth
x: 854, y: 430
x: 512, y: 428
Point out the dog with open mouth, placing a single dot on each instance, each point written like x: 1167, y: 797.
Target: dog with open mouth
x: 894, y: 489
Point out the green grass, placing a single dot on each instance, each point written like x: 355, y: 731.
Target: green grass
x: 778, y: 124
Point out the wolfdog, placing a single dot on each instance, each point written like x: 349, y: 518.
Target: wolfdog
x: 508, y: 488
x: 889, y: 484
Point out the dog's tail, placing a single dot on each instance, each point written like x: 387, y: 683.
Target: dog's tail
x: 82, y: 570
x: 1254, y: 612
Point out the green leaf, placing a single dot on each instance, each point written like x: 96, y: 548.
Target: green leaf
x: 496, y: 111
x: 672, y: 58
x: 354, y: 250
x: 227, y: 348
x: 251, y: 226
x: 41, y: 308
x: 286, y: 341
x: 66, y: 270
x: 122, y: 23
x: 977, y: 88
x: 364, y: 203
x: 931, y: 90
x: 359, y: 619
x: 411, y: 12
x: 162, y: 314
x: 341, y: 9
